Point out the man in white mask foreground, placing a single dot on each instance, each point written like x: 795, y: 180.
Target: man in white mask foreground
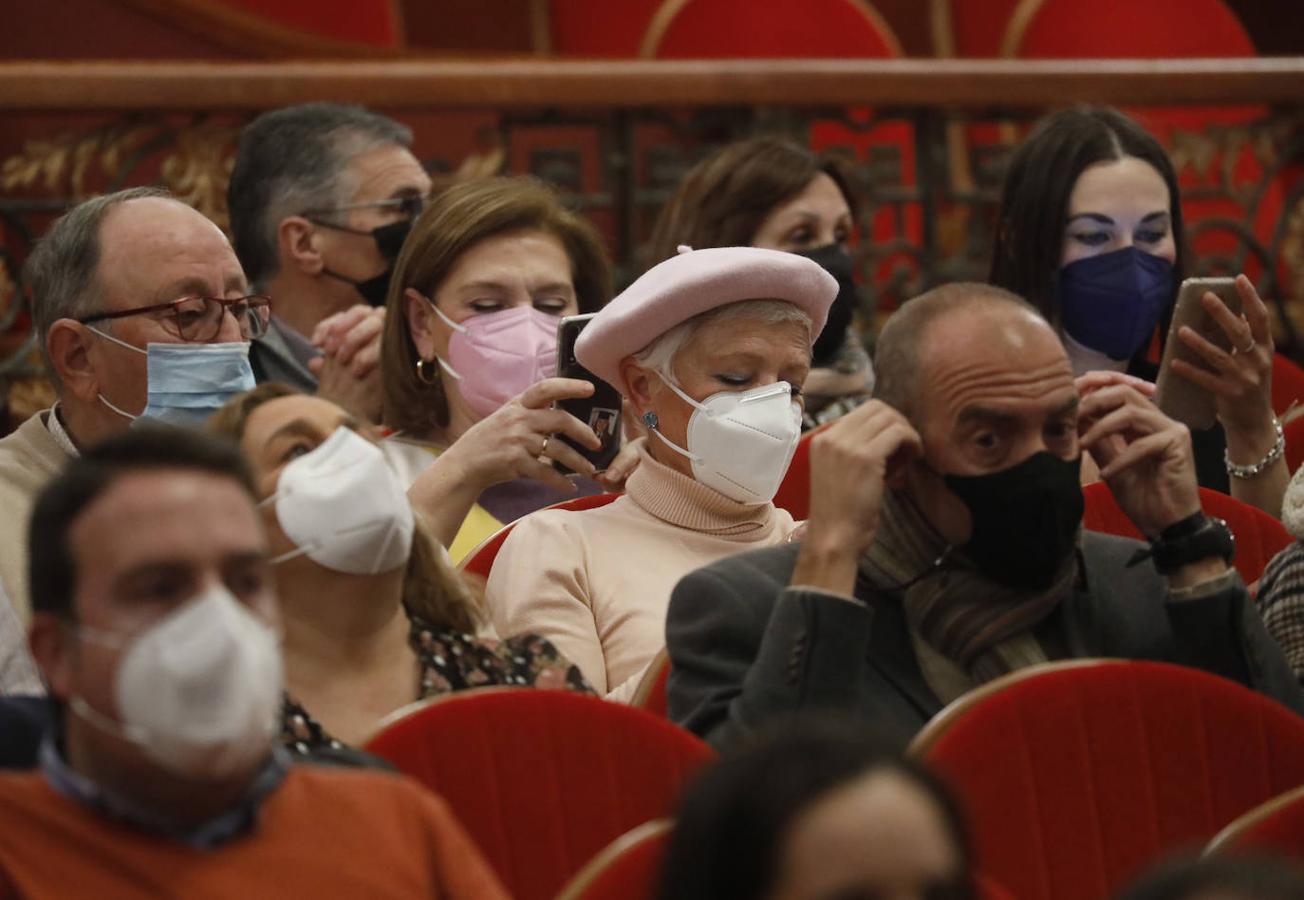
x: 945, y: 545
x: 140, y: 309
x: 155, y: 627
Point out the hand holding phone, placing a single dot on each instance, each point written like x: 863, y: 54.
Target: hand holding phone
x: 1178, y: 397
x: 600, y: 411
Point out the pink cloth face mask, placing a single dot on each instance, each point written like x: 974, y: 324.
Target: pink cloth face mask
x: 495, y: 356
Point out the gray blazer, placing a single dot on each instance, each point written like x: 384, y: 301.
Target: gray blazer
x: 744, y: 647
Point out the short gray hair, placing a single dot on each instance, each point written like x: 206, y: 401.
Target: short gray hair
x: 293, y: 160
x: 62, y: 269
x: 661, y: 353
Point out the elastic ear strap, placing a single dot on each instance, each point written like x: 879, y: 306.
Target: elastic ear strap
x: 118, y: 341
x: 447, y: 321
x: 675, y: 447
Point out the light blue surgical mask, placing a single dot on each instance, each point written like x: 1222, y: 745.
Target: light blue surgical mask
x: 188, y: 382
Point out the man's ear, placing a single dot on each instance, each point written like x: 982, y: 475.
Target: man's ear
x: 51, y: 645
x: 68, y: 345
x: 427, y: 337
x: 296, y: 241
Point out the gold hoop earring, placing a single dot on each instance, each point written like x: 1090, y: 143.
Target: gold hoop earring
x: 426, y: 371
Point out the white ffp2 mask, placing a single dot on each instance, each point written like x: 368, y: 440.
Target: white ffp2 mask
x: 199, y: 691
x: 741, y: 442
x: 344, y: 508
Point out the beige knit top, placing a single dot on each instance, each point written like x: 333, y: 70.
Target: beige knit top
x: 597, y: 582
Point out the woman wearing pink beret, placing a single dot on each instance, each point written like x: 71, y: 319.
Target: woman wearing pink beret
x: 710, y: 349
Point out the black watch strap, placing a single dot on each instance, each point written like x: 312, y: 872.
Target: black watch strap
x: 1191, y: 540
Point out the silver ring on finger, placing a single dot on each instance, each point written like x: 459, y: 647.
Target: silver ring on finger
x: 543, y: 448
x: 1248, y: 348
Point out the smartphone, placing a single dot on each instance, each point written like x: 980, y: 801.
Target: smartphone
x: 601, y: 411
x: 1178, y: 397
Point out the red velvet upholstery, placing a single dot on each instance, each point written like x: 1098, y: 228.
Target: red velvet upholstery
x: 794, y: 491
x: 738, y: 29
x: 651, y: 692
x: 1259, y: 537
x: 1276, y: 826
x: 480, y: 560
x: 542, y: 780
x: 1287, y: 384
x: 374, y: 22
x: 1076, y: 776
x: 1294, y: 431
x: 1125, y: 29
x: 629, y: 868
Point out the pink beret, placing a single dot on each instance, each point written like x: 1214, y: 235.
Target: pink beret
x: 693, y: 282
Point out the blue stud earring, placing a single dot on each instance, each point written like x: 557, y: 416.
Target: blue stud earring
x: 650, y: 420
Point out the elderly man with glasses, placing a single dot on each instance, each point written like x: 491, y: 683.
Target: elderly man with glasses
x: 321, y: 198
x: 141, y: 310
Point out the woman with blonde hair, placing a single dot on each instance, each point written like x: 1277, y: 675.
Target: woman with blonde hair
x: 374, y: 616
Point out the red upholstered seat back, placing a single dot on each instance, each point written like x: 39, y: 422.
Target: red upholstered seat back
x: 1276, y: 826
x: 542, y: 780
x: 629, y: 868
x: 1287, y: 384
x: 1259, y: 537
x: 1076, y: 776
x: 480, y: 560
x: 375, y: 22
x: 794, y: 491
x: 1294, y: 430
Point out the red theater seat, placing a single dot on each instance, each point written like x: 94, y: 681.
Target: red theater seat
x: 794, y: 491
x: 1273, y: 827
x: 542, y: 780
x: 1259, y: 537
x: 1287, y: 384
x: 480, y: 560
x: 1078, y: 775
x: 629, y: 868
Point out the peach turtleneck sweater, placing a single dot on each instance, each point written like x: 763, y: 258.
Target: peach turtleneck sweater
x: 597, y: 582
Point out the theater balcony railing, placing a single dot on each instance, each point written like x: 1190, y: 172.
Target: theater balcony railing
x: 927, y: 141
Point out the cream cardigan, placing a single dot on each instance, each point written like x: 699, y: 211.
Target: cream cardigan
x: 597, y: 582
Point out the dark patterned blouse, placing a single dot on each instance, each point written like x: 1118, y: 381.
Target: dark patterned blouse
x: 451, y: 661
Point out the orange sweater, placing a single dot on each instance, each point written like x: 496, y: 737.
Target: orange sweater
x: 323, y: 833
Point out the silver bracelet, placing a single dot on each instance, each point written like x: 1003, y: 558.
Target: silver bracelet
x: 1255, y: 469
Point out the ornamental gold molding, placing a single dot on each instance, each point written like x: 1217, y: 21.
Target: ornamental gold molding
x: 193, y: 161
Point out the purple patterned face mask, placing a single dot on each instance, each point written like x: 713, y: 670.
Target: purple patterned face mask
x: 495, y: 356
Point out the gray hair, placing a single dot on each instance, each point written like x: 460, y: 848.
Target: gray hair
x: 62, y: 268
x: 660, y: 355
x: 293, y: 160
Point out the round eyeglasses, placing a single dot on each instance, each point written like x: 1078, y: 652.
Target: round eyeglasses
x: 199, y: 319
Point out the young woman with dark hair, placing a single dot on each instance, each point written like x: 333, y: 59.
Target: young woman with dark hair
x: 1090, y: 231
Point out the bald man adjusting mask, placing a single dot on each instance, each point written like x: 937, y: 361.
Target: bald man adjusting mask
x: 945, y: 548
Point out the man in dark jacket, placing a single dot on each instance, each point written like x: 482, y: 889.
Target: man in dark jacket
x: 944, y: 547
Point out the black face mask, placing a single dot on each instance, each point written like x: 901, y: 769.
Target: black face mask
x: 389, y: 240
x: 834, y: 259
x: 1025, y: 519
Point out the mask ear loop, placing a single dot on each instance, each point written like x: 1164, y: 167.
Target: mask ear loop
x: 105, y: 400
x: 460, y: 329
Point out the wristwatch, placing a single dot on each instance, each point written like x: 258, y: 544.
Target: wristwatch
x: 1192, y: 539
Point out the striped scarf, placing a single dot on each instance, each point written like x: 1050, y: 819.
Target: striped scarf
x: 966, y: 617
